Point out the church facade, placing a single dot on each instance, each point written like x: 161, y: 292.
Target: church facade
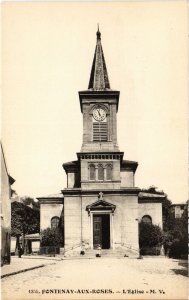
x: 100, y: 207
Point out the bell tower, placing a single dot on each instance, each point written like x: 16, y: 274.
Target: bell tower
x: 100, y: 157
x: 99, y: 106
x: 100, y: 201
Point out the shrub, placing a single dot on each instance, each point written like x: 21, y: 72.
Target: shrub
x: 52, y: 237
x: 149, y: 235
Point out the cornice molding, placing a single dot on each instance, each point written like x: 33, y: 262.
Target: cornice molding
x: 51, y: 200
x: 95, y: 192
x: 105, y: 96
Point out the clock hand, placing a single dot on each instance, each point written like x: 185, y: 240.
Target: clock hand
x: 99, y: 112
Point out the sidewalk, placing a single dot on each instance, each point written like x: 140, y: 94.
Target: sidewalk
x: 26, y: 263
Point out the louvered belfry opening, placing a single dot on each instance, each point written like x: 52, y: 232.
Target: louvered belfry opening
x: 100, y: 131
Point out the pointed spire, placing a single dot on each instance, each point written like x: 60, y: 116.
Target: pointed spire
x: 99, y: 76
x: 98, y: 34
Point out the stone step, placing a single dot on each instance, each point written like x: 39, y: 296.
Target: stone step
x: 111, y: 253
x: 91, y: 253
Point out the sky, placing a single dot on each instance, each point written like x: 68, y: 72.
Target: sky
x: 47, y: 53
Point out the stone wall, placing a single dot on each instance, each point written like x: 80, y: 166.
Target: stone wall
x: 127, y: 178
x: 47, y: 211
x: 78, y: 222
x: 130, y: 222
x: 154, y: 210
x: 5, y: 213
x: 5, y: 196
x: 72, y: 221
x: 71, y: 180
x: 96, y: 184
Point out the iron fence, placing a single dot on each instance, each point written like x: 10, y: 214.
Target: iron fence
x: 49, y: 251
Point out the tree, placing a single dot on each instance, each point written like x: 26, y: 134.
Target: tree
x: 24, y: 220
x: 52, y: 237
x: 176, y: 237
x: 30, y: 201
x: 167, y: 216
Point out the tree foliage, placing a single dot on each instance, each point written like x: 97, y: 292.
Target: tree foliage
x: 175, y: 230
x: 176, y: 236
x: 30, y: 201
x: 24, y: 220
x: 52, y: 237
x: 149, y: 235
x: 153, y: 189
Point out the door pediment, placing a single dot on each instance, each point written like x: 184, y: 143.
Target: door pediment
x: 101, y: 205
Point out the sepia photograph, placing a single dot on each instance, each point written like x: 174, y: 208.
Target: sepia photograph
x: 94, y: 161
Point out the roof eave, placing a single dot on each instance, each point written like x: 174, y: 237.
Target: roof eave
x: 98, y: 94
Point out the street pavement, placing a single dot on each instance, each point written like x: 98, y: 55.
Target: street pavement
x: 25, y: 263
x: 101, y: 278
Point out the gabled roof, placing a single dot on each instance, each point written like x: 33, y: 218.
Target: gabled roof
x: 99, y: 75
x: 101, y: 205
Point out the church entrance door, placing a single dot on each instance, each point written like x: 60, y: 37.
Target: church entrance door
x: 101, y: 231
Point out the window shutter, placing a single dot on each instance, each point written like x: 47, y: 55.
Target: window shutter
x: 100, y: 132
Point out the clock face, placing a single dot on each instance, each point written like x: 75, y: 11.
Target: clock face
x: 99, y: 114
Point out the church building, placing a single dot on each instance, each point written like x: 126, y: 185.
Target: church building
x: 100, y: 207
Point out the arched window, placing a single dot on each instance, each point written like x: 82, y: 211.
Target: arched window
x: 108, y: 172
x: 92, y: 172
x: 147, y: 219
x: 55, y: 222
x: 100, y: 172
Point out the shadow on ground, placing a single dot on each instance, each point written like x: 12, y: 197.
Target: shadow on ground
x: 184, y: 270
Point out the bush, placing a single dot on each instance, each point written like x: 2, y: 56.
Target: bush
x: 149, y: 235
x: 150, y: 250
x: 178, y: 248
x: 52, y: 237
x: 176, y: 238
